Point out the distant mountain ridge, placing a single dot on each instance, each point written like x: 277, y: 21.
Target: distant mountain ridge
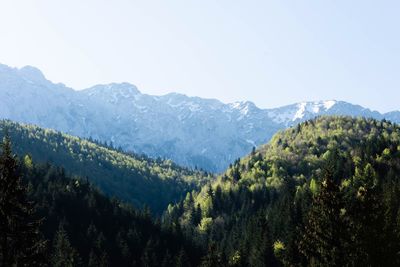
x: 192, y: 131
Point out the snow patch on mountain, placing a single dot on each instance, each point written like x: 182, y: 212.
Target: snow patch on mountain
x: 243, y: 107
x: 251, y: 142
x: 328, y: 104
x: 300, y: 112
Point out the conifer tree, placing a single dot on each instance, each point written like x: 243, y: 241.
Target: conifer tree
x: 20, y: 240
x: 261, y: 253
x: 93, y: 261
x: 325, y: 238
x: 182, y: 259
x: 212, y: 257
x: 149, y: 257
x: 168, y: 260
x: 64, y: 254
x: 368, y: 219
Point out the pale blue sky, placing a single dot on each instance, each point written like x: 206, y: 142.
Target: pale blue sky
x: 270, y: 52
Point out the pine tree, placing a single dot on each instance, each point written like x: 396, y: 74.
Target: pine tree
x: 261, y: 253
x: 149, y: 257
x: 168, y: 260
x: 212, y: 257
x: 93, y: 261
x: 182, y: 259
x: 325, y: 238
x: 367, y: 215
x: 64, y: 254
x: 20, y: 240
x: 103, y: 260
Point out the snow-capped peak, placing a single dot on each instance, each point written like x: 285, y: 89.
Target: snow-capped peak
x: 300, y: 111
x: 123, y: 89
x: 244, y: 107
x: 114, y: 91
x: 312, y: 108
x: 328, y: 104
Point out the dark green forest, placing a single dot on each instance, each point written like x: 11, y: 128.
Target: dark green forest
x: 70, y: 223
x: 133, y: 178
x: 323, y: 193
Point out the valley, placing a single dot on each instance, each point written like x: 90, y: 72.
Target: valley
x: 199, y: 133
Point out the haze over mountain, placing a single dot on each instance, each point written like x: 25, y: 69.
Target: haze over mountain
x: 191, y: 131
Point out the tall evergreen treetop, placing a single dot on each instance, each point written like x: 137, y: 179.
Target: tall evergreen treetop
x: 20, y: 240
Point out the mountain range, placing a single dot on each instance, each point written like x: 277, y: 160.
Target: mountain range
x: 192, y: 131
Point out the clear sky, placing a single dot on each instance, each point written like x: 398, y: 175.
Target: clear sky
x: 270, y: 52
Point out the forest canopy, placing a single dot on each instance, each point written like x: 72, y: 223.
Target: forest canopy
x: 323, y: 193
x: 130, y: 177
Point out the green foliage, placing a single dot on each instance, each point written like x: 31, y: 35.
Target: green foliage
x: 323, y: 193
x: 347, y: 215
x: 313, y: 186
x: 64, y: 254
x: 87, y: 228
x: 133, y: 178
x: 325, y: 238
x: 20, y: 241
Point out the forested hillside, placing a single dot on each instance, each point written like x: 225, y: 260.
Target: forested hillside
x: 51, y: 219
x: 323, y: 193
x: 133, y: 178
x: 86, y: 228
